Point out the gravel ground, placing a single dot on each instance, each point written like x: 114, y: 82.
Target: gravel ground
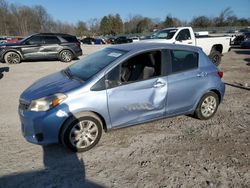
x: 175, y: 152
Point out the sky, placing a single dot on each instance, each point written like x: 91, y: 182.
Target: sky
x: 84, y: 10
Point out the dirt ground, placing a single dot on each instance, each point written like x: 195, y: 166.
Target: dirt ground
x: 175, y: 152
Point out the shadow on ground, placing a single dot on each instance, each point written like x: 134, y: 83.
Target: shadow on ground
x: 243, y: 52
x: 62, y: 169
x: 248, y: 61
x: 2, y: 70
x: 239, y: 86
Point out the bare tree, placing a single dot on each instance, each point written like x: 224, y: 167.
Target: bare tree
x: 201, y: 21
x: 94, y: 26
x: 4, y: 12
x: 25, y: 20
x: 224, y: 15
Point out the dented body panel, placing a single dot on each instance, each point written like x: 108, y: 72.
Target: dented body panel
x: 136, y: 102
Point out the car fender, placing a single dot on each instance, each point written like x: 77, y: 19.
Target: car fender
x: 77, y: 115
x: 213, y: 89
x: 13, y: 50
x: 66, y: 48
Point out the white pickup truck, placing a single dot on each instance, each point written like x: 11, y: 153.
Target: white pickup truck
x: 213, y: 46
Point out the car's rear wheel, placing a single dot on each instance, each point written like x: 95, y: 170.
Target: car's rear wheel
x: 12, y: 58
x: 207, y: 106
x: 66, y: 56
x: 215, y: 56
x: 82, y: 133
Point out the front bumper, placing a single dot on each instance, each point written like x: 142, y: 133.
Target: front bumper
x: 42, y: 127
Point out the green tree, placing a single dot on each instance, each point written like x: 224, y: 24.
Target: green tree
x: 111, y: 24
x: 105, y: 25
x: 81, y: 29
x: 171, y: 21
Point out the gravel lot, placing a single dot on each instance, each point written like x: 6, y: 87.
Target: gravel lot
x: 174, y: 152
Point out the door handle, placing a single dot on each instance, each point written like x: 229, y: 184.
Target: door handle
x: 159, y: 84
x: 202, y: 74
x: 190, y: 43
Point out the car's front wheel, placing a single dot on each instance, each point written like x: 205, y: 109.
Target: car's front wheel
x: 82, y: 134
x: 66, y: 56
x: 207, y: 106
x: 12, y: 58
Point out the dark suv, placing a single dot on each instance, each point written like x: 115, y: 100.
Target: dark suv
x: 41, y: 46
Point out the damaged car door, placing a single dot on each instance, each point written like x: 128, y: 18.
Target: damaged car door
x: 137, y: 89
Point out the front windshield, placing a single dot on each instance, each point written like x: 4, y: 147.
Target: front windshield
x: 164, y: 34
x: 92, y: 64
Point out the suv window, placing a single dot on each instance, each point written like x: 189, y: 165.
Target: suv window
x: 70, y: 38
x: 183, y: 60
x: 35, y: 40
x: 51, y: 40
x: 140, y: 67
x: 184, y: 35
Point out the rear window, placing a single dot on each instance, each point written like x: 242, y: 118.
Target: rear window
x: 183, y: 60
x: 51, y: 40
x: 70, y: 38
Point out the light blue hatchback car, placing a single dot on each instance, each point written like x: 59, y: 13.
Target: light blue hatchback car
x: 119, y: 86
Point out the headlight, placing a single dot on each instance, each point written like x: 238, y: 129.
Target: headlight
x: 46, y: 103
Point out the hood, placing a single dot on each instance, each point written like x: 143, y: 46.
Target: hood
x: 10, y: 44
x: 157, y: 40
x: 51, y: 84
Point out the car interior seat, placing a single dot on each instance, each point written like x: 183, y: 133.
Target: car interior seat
x: 149, y: 69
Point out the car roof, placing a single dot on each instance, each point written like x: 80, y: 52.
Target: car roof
x: 54, y: 34
x: 140, y: 46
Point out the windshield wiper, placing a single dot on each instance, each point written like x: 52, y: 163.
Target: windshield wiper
x: 67, y: 73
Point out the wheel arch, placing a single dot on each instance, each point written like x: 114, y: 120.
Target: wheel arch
x: 217, y: 93
x: 217, y: 47
x: 66, y: 49
x: 13, y: 50
x: 71, y: 118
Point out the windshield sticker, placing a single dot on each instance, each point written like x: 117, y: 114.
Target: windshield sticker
x: 114, y: 54
x: 171, y: 31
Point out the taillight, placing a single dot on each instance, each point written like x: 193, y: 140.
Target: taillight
x: 78, y: 44
x: 220, y: 73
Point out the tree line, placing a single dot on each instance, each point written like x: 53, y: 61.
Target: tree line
x: 20, y: 20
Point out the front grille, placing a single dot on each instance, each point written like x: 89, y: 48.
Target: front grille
x: 23, y: 105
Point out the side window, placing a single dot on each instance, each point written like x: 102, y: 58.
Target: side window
x: 183, y: 35
x: 140, y: 67
x: 183, y: 60
x: 35, y: 40
x: 51, y: 40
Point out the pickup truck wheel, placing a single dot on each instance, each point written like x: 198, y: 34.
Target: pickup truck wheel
x: 82, y: 133
x: 215, y: 56
x: 66, y: 56
x: 12, y: 58
x: 207, y: 106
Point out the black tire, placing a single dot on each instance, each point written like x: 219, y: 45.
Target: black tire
x: 215, y: 57
x: 12, y: 58
x: 89, y: 132
x: 207, y: 106
x: 66, y: 56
